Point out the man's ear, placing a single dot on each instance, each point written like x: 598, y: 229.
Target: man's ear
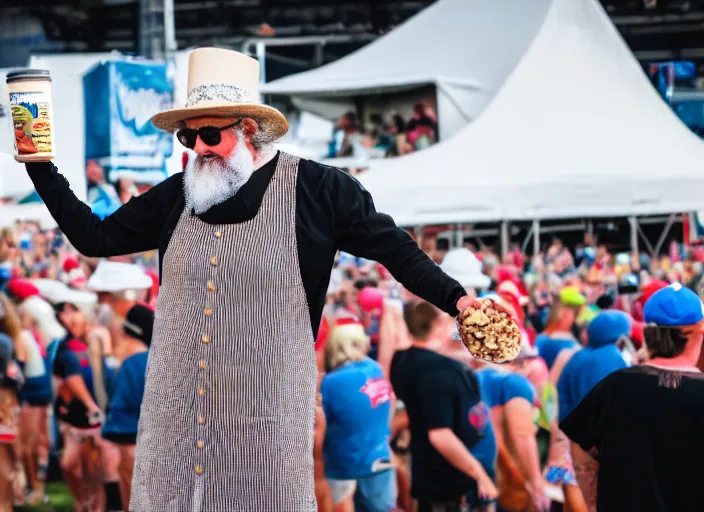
x: 249, y: 127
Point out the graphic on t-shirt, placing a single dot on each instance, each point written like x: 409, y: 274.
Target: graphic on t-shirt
x: 479, y: 418
x: 378, y: 390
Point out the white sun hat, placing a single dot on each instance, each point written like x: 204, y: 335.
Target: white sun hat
x: 43, y: 314
x: 117, y: 276
x: 462, y: 265
x: 56, y: 292
x: 223, y: 83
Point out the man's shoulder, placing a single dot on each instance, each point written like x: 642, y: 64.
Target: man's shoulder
x: 175, y: 180
x: 315, y: 172
x: 427, y: 363
x: 167, y: 189
x: 135, y: 360
x: 315, y: 168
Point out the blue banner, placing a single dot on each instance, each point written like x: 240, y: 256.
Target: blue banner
x: 120, y: 98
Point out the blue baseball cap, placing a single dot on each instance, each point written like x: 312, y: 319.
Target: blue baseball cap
x: 673, y: 305
x: 607, y: 327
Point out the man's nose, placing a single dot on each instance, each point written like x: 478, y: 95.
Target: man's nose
x: 201, y: 147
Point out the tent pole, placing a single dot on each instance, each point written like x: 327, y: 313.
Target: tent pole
x: 524, y: 245
x: 536, y: 238
x: 261, y: 57
x: 504, y: 239
x: 419, y: 235
x: 633, y: 221
x: 459, y: 235
x: 665, y: 232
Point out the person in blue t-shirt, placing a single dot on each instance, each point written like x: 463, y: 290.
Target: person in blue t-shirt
x: 358, y: 403
x: 559, y: 331
x: 122, y: 418
x: 511, y: 397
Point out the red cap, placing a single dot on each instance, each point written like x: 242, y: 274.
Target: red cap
x: 504, y: 273
x: 22, y: 289
x: 650, y: 288
x: 71, y: 263
x: 637, y: 333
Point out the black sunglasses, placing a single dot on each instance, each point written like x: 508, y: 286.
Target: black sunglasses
x: 210, y: 135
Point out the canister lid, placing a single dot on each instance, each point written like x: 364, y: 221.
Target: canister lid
x: 28, y: 74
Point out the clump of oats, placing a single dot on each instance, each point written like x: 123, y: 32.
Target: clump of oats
x: 489, y: 334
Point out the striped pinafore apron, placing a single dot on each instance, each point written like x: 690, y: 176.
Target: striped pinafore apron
x: 229, y: 403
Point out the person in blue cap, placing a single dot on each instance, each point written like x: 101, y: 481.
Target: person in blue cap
x: 598, y: 359
x: 582, y: 372
x: 644, y: 424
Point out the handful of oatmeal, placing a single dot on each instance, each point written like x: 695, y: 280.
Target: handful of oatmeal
x: 489, y: 334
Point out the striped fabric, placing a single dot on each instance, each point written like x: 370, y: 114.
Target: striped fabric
x: 229, y: 403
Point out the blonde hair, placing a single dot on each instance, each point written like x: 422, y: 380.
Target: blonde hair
x: 345, y: 343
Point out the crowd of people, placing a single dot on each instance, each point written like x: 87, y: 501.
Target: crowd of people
x: 382, y: 137
x: 406, y: 417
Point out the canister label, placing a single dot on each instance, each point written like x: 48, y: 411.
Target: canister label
x: 30, y: 117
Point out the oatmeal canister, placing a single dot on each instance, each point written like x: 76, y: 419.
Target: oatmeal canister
x: 32, y: 115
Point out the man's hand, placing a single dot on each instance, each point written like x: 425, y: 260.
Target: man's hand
x: 486, y: 488
x: 95, y: 416
x: 537, y: 493
x: 470, y: 302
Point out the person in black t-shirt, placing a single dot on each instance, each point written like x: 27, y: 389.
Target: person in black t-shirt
x: 441, y: 397
x: 644, y: 424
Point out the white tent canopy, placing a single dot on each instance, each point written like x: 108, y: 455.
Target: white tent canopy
x: 576, y: 130
x: 453, y: 44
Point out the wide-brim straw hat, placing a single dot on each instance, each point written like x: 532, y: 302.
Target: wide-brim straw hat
x: 224, y: 83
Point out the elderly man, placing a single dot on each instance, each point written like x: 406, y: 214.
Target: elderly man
x: 247, y: 237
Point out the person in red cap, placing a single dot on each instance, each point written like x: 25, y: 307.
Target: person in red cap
x: 371, y: 303
x: 74, y: 276
x: 647, y: 291
x: 35, y: 395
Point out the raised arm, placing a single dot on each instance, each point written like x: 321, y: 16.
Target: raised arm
x: 362, y: 231
x: 134, y: 227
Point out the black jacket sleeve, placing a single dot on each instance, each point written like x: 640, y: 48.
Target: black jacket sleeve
x: 135, y: 227
x: 362, y: 231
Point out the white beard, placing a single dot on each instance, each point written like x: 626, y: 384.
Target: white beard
x: 210, y: 181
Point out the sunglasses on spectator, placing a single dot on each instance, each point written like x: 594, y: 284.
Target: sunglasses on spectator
x: 210, y: 135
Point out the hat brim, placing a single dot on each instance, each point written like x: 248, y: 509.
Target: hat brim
x: 273, y: 124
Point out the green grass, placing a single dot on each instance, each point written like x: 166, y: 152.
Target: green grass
x: 59, y: 500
